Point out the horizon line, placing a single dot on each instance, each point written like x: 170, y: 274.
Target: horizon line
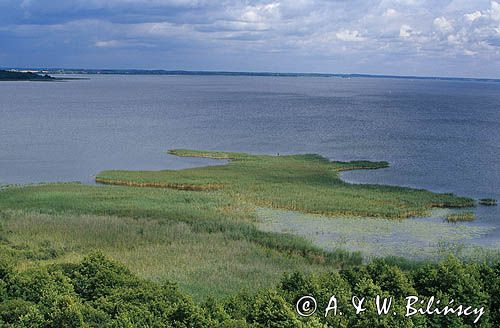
x: 136, y: 71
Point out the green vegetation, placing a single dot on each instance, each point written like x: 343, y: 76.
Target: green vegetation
x: 308, y: 183
x: 488, y: 201
x: 96, y: 292
x: 23, y: 76
x: 429, y: 238
x: 460, y: 217
x: 198, y: 228
x: 186, y: 236
x: 160, y: 232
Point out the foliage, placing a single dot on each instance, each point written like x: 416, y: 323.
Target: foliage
x: 97, y: 292
x: 23, y: 76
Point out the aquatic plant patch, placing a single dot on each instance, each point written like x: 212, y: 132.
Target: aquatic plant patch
x: 427, y: 238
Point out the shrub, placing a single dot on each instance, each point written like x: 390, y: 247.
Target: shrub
x: 100, y: 293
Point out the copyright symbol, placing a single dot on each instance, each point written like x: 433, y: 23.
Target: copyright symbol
x: 306, y: 306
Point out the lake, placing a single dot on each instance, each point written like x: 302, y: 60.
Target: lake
x: 438, y: 135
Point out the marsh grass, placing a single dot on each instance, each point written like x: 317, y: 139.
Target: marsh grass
x: 309, y: 183
x: 202, y: 263
x: 488, y: 201
x: 198, y: 226
x: 201, y: 240
x: 460, y: 217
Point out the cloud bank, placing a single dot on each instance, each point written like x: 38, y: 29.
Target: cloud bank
x: 422, y: 37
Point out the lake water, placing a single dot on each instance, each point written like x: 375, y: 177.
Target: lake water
x: 439, y: 135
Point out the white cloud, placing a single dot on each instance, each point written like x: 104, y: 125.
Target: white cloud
x: 405, y: 31
x: 159, y: 29
x: 495, y: 11
x: 443, y: 25
x: 473, y: 16
x: 454, y: 39
x: 460, y: 29
x: 469, y: 52
x: 261, y: 13
x: 349, y: 36
x: 107, y: 44
x: 390, y: 12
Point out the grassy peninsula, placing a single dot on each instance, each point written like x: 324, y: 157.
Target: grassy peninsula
x: 309, y: 183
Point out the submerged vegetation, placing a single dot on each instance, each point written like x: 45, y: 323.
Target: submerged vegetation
x: 426, y: 238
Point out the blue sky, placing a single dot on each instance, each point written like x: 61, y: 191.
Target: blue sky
x: 416, y: 37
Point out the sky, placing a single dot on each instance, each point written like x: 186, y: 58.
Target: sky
x: 402, y: 37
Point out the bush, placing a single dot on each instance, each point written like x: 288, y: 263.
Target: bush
x: 100, y: 293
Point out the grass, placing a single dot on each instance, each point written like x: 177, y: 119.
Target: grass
x: 203, y: 264
x: 460, y: 217
x: 198, y: 239
x: 198, y: 226
x: 488, y: 201
x: 308, y: 183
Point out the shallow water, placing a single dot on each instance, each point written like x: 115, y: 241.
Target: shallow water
x: 417, y: 238
x: 439, y: 135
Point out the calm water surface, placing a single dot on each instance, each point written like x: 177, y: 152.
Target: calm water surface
x: 439, y: 135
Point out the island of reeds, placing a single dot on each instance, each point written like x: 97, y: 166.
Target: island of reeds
x: 181, y: 248
x: 488, y: 201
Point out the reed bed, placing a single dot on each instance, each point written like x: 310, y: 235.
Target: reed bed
x: 150, y: 248
x: 488, y: 201
x: 186, y: 236
x: 309, y: 183
x: 190, y: 225
x: 460, y: 217
x: 192, y: 187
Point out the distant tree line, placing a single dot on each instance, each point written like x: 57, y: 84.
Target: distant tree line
x: 23, y: 76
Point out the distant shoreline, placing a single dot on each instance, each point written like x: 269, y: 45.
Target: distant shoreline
x: 9, y: 75
x: 237, y: 73
x: 32, y: 76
